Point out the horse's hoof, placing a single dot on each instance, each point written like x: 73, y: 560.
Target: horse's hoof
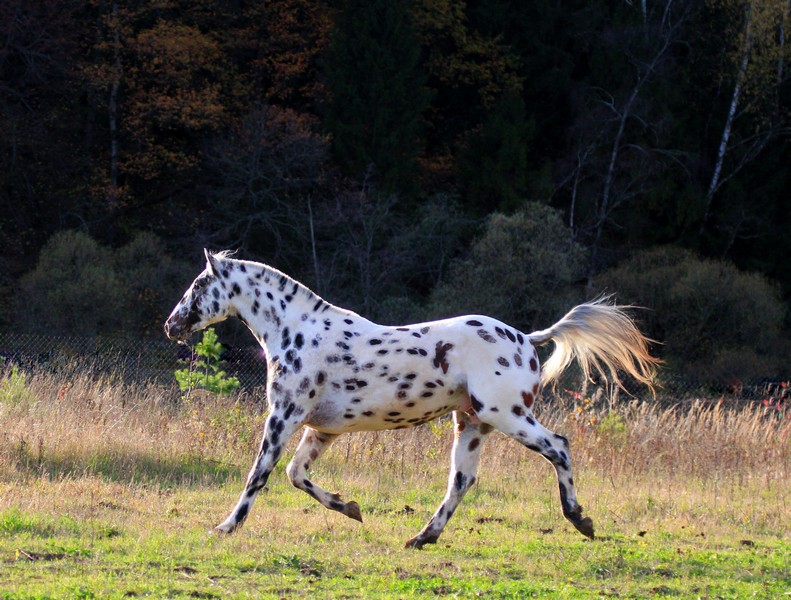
x: 352, y: 510
x: 585, y: 527
x: 419, y: 541
x: 224, y: 529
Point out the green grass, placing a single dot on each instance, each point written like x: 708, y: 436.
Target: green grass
x: 90, y: 538
x: 109, y: 491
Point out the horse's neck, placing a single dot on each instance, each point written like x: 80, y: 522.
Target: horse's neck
x: 274, y: 306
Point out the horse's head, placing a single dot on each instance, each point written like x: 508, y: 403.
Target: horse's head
x: 205, y: 302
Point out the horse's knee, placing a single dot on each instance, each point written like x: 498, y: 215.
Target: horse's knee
x: 463, y: 482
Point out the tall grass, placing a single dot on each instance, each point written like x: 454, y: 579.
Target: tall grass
x: 634, y: 462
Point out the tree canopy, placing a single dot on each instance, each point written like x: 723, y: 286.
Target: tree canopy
x: 393, y: 153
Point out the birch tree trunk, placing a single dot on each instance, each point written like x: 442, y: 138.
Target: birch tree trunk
x: 722, y: 151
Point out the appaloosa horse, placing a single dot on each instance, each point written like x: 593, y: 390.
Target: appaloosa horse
x: 332, y: 371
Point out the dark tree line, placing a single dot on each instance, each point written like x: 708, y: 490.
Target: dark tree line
x: 404, y: 158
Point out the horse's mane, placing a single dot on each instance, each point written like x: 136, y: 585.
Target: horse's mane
x: 222, y: 254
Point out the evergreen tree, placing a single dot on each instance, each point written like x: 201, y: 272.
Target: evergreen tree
x: 377, y: 92
x: 493, y: 165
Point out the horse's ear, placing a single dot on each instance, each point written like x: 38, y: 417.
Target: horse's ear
x: 212, y: 264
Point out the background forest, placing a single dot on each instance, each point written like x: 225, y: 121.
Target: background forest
x: 405, y: 159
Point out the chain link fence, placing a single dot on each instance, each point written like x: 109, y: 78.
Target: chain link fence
x: 156, y: 360
x: 134, y: 360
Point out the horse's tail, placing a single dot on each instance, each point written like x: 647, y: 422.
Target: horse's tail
x: 600, y: 336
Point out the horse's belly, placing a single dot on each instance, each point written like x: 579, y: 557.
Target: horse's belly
x: 376, y: 412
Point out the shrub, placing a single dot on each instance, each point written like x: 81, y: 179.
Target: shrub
x: 73, y: 289
x: 716, y: 323
x: 521, y: 270
x: 13, y: 388
x: 80, y: 287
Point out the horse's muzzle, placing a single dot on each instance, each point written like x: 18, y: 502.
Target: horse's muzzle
x: 175, y: 330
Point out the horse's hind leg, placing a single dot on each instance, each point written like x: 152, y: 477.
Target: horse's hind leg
x: 518, y: 422
x: 467, y: 442
x: 311, y: 446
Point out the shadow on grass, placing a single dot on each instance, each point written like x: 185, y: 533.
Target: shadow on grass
x: 130, y: 468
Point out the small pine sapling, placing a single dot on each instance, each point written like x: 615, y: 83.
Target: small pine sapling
x: 204, y: 368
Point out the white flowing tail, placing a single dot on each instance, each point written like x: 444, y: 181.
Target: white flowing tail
x: 600, y: 336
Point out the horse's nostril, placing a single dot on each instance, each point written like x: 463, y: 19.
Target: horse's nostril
x: 171, y: 330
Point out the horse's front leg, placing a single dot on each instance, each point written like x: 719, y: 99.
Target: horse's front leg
x: 280, y: 425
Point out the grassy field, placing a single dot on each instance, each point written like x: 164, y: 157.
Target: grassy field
x: 109, y: 490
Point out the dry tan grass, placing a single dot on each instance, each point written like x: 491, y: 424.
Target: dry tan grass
x: 637, y: 465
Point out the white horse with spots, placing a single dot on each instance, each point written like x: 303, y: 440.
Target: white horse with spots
x: 332, y: 371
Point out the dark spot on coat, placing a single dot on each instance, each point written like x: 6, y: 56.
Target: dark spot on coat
x: 474, y: 323
x: 440, y: 356
x: 527, y: 398
x: 241, y: 514
x: 289, y: 410
x: 460, y: 480
x: 486, y: 336
x: 477, y: 405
